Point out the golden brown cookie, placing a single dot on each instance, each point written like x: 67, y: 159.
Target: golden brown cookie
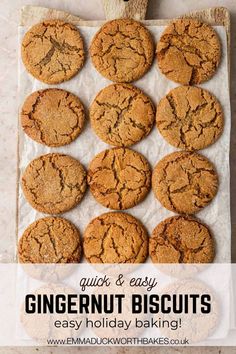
x: 119, y: 178
x: 54, y: 183
x: 188, y: 52
x: 181, y: 239
x: 122, y: 50
x: 122, y: 115
x: 52, y: 117
x: 115, y: 238
x: 50, y: 240
x: 190, y: 118
x: 53, y: 51
x: 184, y: 182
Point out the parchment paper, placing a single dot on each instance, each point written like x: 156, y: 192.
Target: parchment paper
x: 86, y: 85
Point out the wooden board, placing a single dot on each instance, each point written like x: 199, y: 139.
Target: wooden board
x: 30, y: 15
x: 217, y: 16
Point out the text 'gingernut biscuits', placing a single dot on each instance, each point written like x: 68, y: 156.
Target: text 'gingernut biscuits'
x: 52, y: 117
x: 119, y: 178
x: 50, y: 240
x: 181, y: 239
x: 54, y: 183
x: 190, y: 118
x: 184, y: 182
x: 115, y: 238
x: 122, y: 50
x: 188, y: 52
x: 53, y: 51
x: 122, y: 115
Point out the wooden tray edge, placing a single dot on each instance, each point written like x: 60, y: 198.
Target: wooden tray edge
x: 32, y: 14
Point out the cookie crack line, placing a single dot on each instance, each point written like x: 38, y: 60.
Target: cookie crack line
x: 56, y: 46
x: 183, y: 46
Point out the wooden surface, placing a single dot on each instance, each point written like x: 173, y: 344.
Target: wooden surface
x: 135, y: 9
x: 33, y: 14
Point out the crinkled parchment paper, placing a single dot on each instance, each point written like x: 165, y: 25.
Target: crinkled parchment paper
x: 86, y: 85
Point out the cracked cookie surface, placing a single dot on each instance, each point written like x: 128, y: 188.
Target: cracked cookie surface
x: 50, y: 240
x: 122, y: 50
x: 54, y: 183
x: 115, y: 238
x: 188, y: 52
x: 53, y: 51
x: 184, y: 182
x: 119, y: 178
x: 52, y: 117
x: 121, y: 115
x: 190, y: 118
x: 181, y: 239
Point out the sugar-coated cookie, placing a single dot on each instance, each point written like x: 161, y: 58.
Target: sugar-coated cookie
x: 50, y: 240
x: 115, y: 238
x: 181, y: 239
x: 122, y: 115
x: 53, y: 51
x: 54, y: 183
x: 119, y: 178
x: 52, y: 117
x: 190, y: 118
x: 184, y: 182
x: 188, y: 52
x: 122, y: 50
